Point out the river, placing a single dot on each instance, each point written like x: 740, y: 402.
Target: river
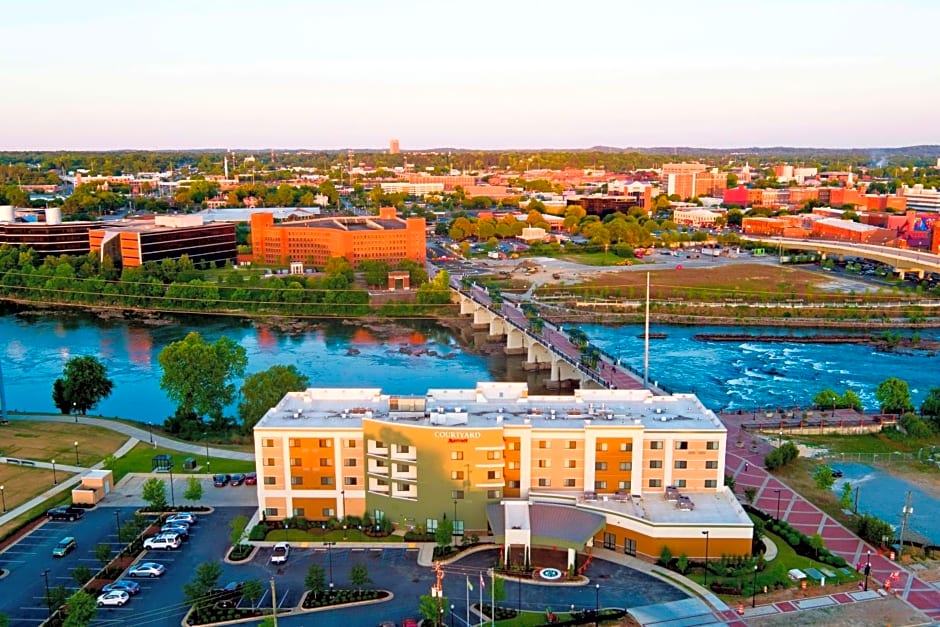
x: 35, y: 346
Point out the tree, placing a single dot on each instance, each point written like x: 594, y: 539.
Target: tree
x: 198, y: 591
x: 826, y: 399
x: 83, y: 385
x: 103, y: 553
x: 154, y: 492
x: 845, y: 499
x: 894, y: 396
x: 444, y: 534
x: 57, y: 597
x: 816, y: 541
x: 253, y: 590
x: 237, y: 529
x: 375, y: 272
x: 931, y: 405
x: 198, y: 375
x: 851, y: 400
x: 81, y: 609
x: 193, y: 491
x: 82, y: 574
x: 359, y: 575
x: 263, y: 390
x: 823, y: 478
x: 315, y: 581
x: 430, y: 608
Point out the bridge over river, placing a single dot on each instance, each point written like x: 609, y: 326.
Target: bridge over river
x: 545, y: 345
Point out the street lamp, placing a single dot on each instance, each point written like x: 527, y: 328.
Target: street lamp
x: 75, y: 444
x: 55, y: 480
x: 45, y: 575
x: 117, y: 522
x: 206, y: 435
x: 867, y: 570
x: 342, y: 494
x: 329, y: 553
x: 75, y: 411
x: 150, y: 429
x: 754, y: 588
x: 172, y: 495
x: 597, y: 604
x: 451, y: 615
x: 4, y: 499
x: 706, y: 534
x: 780, y: 438
x: 777, y: 490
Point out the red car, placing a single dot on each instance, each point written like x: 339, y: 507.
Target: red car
x: 251, y: 478
x: 409, y: 622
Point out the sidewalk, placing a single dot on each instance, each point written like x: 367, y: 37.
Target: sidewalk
x: 773, y: 496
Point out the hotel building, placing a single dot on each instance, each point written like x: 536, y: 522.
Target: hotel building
x: 624, y: 469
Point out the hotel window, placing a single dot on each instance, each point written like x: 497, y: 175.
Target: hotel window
x: 572, y: 444
x: 571, y: 483
x: 544, y: 444
x: 404, y: 449
x: 270, y: 481
x: 401, y: 467
x: 626, y: 466
x: 492, y: 474
x: 298, y: 511
x: 296, y: 480
x: 656, y: 445
x: 514, y: 485
x: 267, y: 442
x: 293, y: 442
x: 326, y: 480
x: 623, y: 485
x: 712, y: 445
x: 494, y: 455
x: 493, y: 494
x: 545, y: 483
x: 431, y: 525
x: 456, y: 494
x: 711, y: 465
x: 513, y: 465
x: 328, y: 512
x: 381, y: 464
x: 656, y: 483
x: 600, y: 465
x: 680, y: 483
x: 656, y: 463
x: 600, y: 485
x: 270, y: 511
x: 456, y: 475
x: 512, y: 446
x: 350, y: 481
x: 325, y: 443
x: 350, y: 462
x: 681, y: 464
x: 295, y: 461
x: 379, y: 444
x: 268, y: 461
x: 571, y: 463
x: 404, y: 487
x: 626, y: 447
x: 682, y: 445
x: 456, y: 455
x: 544, y: 463
x: 601, y: 446
x: 325, y: 462
x: 351, y: 444
x: 711, y: 483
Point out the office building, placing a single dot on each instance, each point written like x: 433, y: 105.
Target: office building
x: 136, y: 241
x: 49, y: 237
x: 393, y: 148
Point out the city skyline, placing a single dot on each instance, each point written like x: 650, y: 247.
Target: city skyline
x: 498, y: 76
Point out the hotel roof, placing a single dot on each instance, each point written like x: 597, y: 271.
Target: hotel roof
x: 493, y: 405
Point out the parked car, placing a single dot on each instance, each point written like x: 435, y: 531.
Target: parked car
x: 220, y: 481
x: 184, y: 517
x: 409, y: 622
x: 237, y: 479
x: 228, y: 595
x: 130, y: 587
x: 65, y: 546
x: 280, y: 553
x: 251, y: 478
x: 65, y: 513
x: 176, y: 528
x: 147, y: 569
x: 166, y: 542
x: 115, y: 597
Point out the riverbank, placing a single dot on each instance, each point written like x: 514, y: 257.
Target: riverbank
x: 879, y: 342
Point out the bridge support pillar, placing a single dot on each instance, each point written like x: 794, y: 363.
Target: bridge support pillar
x: 538, y: 357
x: 482, y: 318
x: 516, y: 342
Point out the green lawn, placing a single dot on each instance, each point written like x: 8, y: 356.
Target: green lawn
x: 315, y: 535
x: 880, y: 443
x: 140, y: 459
x: 528, y: 618
x: 593, y: 259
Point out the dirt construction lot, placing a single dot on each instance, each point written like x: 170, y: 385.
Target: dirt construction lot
x: 888, y: 611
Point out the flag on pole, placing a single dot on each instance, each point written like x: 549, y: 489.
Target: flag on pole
x: 469, y: 585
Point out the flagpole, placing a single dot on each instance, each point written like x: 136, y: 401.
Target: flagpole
x: 482, y: 585
x: 468, y: 600
x: 492, y: 597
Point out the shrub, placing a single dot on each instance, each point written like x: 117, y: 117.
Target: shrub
x: 665, y: 556
x: 258, y: 532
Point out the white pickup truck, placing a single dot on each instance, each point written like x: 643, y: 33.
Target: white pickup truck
x: 280, y: 552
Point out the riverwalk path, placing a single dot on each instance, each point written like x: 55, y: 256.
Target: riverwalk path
x: 776, y: 498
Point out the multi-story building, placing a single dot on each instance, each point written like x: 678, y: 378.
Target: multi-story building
x: 921, y: 198
x: 638, y: 195
x: 51, y: 237
x: 136, y: 241
x: 412, y: 189
x: 638, y: 471
x: 450, y: 181
x: 393, y: 148
x: 386, y: 238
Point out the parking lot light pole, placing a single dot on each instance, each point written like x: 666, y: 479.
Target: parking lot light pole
x: 150, y: 429
x: 867, y: 570
x: 597, y: 604
x: 754, y: 588
x: 172, y: 495
x: 45, y: 575
x: 706, y: 533
x: 55, y: 480
x: 76, y: 453
x: 777, y: 490
x: 207, y: 447
x: 117, y: 521
x: 329, y: 553
x: 3, y: 497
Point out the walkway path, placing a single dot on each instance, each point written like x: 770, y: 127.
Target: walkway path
x: 144, y: 435
x: 776, y: 498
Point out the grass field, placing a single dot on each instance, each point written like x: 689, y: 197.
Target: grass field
x: 335, y: 535
x: 46, y: 441
x: 140, y: 459
x: 595, y: 259
x: 20, y: 483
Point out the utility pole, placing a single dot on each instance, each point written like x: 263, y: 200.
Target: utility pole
x: 273, y: 602
x: 905, y: 513
x: 437, y: 590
